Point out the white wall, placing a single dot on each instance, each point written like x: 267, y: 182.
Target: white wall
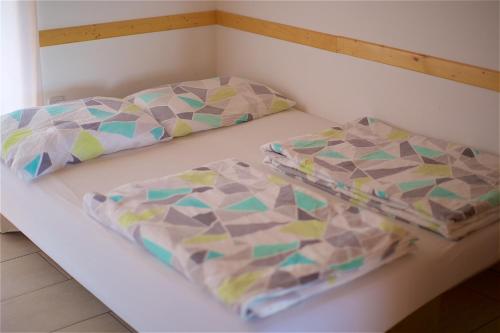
x: 58, y: 14
x: 120, y: 66
x: 340, y: 87
x: 465, y: 31
x: 333, y: 86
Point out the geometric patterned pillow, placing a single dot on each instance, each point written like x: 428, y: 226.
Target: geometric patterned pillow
x: 39, y: 140
x: 188, y: 107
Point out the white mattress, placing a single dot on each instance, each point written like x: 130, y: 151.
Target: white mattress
x: 151, y: 297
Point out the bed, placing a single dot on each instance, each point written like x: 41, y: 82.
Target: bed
x: 126, y: 278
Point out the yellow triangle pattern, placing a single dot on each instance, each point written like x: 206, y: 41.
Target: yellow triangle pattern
x: 181, y: 128
x: 203, y: 239
x: 333, y: 134
x: 132, y: 108
x: 221, y: 94
x: 306, y: 229
x: 279, y: 105
x: 129, y: 218
x: 434, y: 170
x: 199, y: 177
x: 397, y: 135
x: 232, y: 289
x: 87, y: 146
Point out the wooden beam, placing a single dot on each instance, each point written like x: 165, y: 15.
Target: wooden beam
x: 443, y: 68
x: 285, y: 32
x: 439, y: 67
x: 125, y: 28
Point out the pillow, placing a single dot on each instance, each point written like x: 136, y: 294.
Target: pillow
x: 187, y: 107
x: 37, y: 141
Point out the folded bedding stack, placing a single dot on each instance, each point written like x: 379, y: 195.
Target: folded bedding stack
x: 40, y: 140
x: 256, y: 242
x: 445, y: 187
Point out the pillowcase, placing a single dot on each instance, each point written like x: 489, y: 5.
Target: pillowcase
x: 37, y: 141
x: 193, y: 106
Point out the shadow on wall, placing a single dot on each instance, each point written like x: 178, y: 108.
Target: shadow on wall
x: 120, y: 66
x: 124, y: 88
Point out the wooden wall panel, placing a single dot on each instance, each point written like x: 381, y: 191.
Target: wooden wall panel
x: 447, y: 69
x: 125, y: 28
x: 439, y: 67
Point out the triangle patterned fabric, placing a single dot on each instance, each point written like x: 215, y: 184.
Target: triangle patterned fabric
x: 220, y: 230
x: 442, y: 186
x: 188, y: 107
x: 38, y: 141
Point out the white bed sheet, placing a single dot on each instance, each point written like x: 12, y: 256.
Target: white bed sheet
x: 152, y: 297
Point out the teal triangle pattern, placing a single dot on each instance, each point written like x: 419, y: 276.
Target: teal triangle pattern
x: 308, y: 203
x: 192, y: 102
x: 32, y: 166
x: 249, y: 205
x: 242, y: 119
x: 268, y: 250
x: 192, y: 202
x: 58, y: 109
x: 124, y: 128
x: 159, y: 252
x: 309, y: 143
x: 332, y: 154
x: 212, y: 120
x: 440, y: 192
x: 297, y: 259
x: 116, y: 198
x: 214, y: 255
x: 99, y: 113
x: 492, y: 197
x: 377, y: 155
x: 411, y: 185
x: 162, y: 194
x: 277, y: 147
x: 157, y: 132
x: 16, y: 115
x: 427, y: 152
x: 150, y: 96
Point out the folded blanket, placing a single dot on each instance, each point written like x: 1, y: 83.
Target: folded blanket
x: 257, y: 243
x: 37, y: 141
x: 445, y: 187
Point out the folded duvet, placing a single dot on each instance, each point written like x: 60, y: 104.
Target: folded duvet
x: 37, y: 141
x: 445, y: 187
x: 256, y: 242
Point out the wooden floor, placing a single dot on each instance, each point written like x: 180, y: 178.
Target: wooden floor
x: 473, y: 306
x: 38, y: 296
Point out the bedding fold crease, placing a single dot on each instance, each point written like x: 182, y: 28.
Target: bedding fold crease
x: 447, y: 188
x: 254, y: 241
